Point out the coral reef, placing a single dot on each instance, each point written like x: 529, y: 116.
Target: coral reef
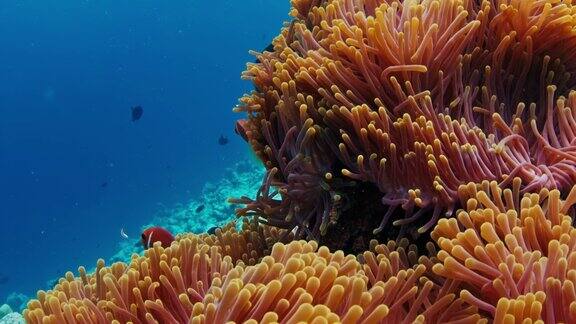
x: 8, y: 316
x: 17, y: 301
x: 5, y: 310
x: 513, y: 252
x: 195, y: 280
x: 153, y: 285
x: 12, y: 318
x: 411, y: 100
x: 210, y: 209
x: 506, y: 258
x: 448, y: 126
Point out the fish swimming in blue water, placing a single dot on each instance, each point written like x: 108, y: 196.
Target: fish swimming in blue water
x: 137, y: 113
x: 223, y: 140
x: 289, y: 39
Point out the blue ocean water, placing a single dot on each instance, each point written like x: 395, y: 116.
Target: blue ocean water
x: 74, y: 169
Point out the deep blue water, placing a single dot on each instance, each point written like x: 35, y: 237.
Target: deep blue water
x: 69, y: 72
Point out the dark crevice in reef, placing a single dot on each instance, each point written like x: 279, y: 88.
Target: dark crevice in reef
x: 353, y: 231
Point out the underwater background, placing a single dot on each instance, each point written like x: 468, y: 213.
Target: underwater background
x: 74, y: 168
x: 420, y: 162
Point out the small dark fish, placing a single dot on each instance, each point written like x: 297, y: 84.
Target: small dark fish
x: 223, y: 140
x: 104, y: 185
x: 3, y: 279
x: 212, y: 230
x: 200, y: 208
x: 137, y: 113
x: 289, y: 39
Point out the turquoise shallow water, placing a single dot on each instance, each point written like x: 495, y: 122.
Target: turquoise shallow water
x: 74, y: 168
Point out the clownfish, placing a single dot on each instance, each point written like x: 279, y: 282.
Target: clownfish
x: 156, y: 234
x: 242, y: 129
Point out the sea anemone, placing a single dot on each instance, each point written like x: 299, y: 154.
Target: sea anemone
x: 508, y: 257
x: 192, y: 282
x: 404, y: 102
x: 161, y: 285
x: 509, y: 251
x: 454, y: 118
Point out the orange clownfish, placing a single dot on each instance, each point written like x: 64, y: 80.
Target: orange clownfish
x: 156, y: 234
x: 242, y: 128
